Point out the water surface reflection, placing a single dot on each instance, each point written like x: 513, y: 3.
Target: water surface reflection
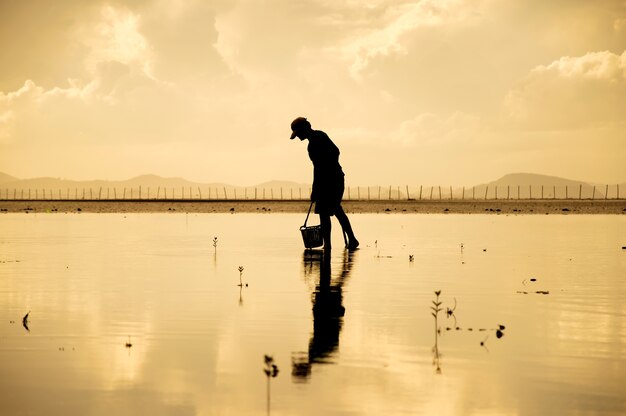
x: 358, y: 335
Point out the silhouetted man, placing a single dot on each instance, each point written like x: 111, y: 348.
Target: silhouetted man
x: 328, y: 180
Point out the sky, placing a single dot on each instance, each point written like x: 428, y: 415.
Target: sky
x: 412, y: 92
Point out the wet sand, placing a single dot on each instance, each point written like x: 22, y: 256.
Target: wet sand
x: 379, y: 206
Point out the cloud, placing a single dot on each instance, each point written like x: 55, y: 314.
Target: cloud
x: 398, y: 23
x: 117, y: 37
x: 429, y: 129
x: 570, y: 93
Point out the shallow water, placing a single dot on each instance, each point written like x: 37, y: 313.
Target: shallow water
x: 355, y: 336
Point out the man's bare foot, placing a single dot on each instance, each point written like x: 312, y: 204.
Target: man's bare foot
x: 353, y: 244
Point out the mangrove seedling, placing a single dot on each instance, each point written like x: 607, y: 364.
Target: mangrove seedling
x: 215, y: 243
x: 436, y: 308
x: 411, y: 258
x: 241, y: 274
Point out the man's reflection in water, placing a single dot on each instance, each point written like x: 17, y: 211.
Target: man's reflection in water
x: 328, y: 311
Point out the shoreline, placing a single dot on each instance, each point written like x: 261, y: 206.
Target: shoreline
x: 528, y: 207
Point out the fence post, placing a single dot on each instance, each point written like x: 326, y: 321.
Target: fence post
x: 508, y: 191
x: 566, y: 191
x: 541, y: 191
x: 530, y: 192
x: 390, y: 192
x: 593, y: 194
x: 486, y: 190
x: 496, y: 192
x: 439, y: 192
x: 473, y: 192
x: 463, y: 194
x: 554, y: 192
x: 431, y: 193
x: 580, y: 192
x: 199, y: 193
x: 518, y: 192
x: 450, y: 192
x: 420, y: 192
x: 617, y: 191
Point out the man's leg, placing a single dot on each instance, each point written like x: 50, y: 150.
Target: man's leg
x: 347, y: 228
x: 325, y: 223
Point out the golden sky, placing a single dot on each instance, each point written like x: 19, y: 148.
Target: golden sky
x: 412, y: 92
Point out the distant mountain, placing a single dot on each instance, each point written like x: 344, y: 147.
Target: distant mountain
x: 522, y: 185
x: 532, y: 185
x: 146, y: 186
x: 527, y: 179
x: 4, y: 178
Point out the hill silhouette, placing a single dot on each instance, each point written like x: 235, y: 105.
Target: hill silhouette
x: 524, y: 185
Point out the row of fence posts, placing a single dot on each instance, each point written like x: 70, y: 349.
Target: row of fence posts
x: 265, y: 194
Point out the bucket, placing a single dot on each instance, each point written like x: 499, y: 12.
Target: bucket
x: 312, y: 236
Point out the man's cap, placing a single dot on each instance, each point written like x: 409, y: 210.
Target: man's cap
x: 297, y: 126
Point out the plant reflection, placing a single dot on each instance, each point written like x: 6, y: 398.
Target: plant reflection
x: 435, y: 313
x: 25, y: 321
x: 328, y: 311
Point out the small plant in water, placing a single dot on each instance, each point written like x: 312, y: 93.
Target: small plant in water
x: 436, y: 308
x: 240, y: 275
x: 411, y: 258
x: 129, y: 344
x: 271, y: 371
x: 215, y: 243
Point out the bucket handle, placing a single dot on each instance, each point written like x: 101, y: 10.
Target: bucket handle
x: 307, y: 214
